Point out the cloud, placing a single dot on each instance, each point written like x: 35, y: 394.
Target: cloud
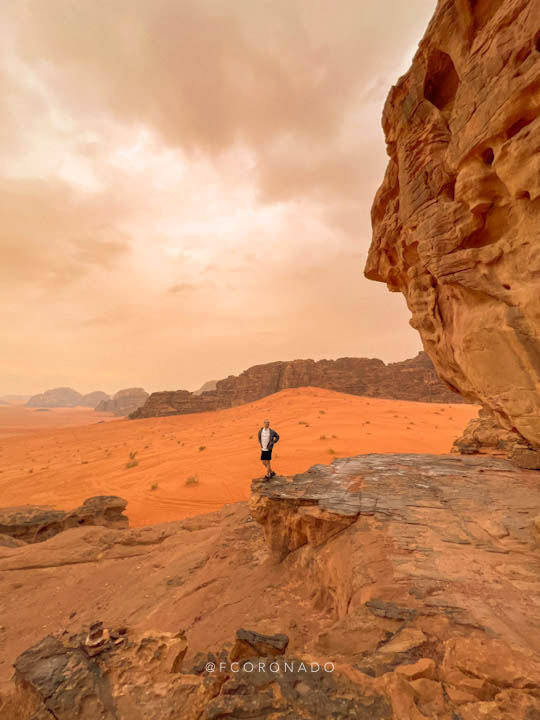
x: 182, y: 287
x: 50, y: 234
x: 192, y: 174
x: 286, y: 79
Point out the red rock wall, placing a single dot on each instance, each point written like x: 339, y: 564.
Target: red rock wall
x: 456, y: 221
x: 413, y: 379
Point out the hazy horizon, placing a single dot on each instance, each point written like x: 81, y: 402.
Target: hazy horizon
x: 187, y: 187
x: 95, y: 388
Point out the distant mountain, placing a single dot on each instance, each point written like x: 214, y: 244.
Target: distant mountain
x: 413, y: 379
x: 124, y: 402
x: 66, y: 397
x: 209, y: 385
x: 93, y: 399
x: 14, y: 399
x: 57, y: 397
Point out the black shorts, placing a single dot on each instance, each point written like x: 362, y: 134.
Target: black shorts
x: 266, y: 454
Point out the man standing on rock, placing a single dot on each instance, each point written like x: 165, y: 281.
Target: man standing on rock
x: 267, y: 439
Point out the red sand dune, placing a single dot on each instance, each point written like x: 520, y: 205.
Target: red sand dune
x: 64, y: 465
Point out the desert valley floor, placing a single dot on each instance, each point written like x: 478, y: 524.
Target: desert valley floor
x: 63, y: 456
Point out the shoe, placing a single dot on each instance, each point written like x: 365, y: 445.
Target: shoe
x: 272, y: 474
x: 267, y: 477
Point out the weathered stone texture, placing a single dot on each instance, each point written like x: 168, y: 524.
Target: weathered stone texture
x: 456, y: 222
x: 34, y: 523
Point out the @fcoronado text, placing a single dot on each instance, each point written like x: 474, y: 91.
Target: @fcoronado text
x: 273, y: 666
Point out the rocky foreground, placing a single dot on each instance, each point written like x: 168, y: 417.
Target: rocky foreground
x: 381, y: 586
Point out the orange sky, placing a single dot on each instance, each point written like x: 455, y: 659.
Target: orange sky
x: 185, y: 186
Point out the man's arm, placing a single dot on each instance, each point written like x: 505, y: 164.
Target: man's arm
x: 259, y: 436
x: 276, y: 436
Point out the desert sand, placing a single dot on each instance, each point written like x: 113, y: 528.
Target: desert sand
x: 148, y: 462
x: 21, y: 420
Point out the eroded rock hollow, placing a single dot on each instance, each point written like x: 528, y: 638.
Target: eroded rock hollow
x: 456, y: 221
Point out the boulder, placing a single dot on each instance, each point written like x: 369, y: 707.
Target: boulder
x: 253, y: 644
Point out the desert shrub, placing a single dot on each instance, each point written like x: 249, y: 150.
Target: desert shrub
x: 132, y: 455
x: 132, y: 463
x: 192, y: 480
x: 202, y: 447
x: 154, y: 486
x: 331, y: 451
x: 323, y: 437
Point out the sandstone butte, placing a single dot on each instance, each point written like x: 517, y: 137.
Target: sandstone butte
x: 456, y: 222
x: 413, y: 379
x: 123, y: 402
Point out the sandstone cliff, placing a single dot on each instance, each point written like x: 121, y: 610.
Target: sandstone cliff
x: 124, y: 402
x: 413, y: 379
x: 456, y: 222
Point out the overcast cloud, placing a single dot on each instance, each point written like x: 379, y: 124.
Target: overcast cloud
x: 185, y: 186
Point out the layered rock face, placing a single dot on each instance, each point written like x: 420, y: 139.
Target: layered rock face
x: 413, y: 379
x: 456, y: 222
x: 32, y: 523
x: 124, y: 402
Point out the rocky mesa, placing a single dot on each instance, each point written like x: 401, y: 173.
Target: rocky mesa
x: 66, y: 397
x: 413, y: 379
x: 456, y: 222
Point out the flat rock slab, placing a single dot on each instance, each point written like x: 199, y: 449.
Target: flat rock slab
x: 34, y: 523
x: 411, y: 488
x: 417, y: 536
